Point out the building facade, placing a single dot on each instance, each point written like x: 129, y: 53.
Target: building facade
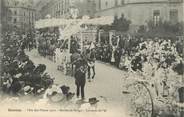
x: 39, y: 5
x: 85, y: 7
x: 53, y: 8
x: 20, y: 15
x: 63, y: 8
x: 140, y: 12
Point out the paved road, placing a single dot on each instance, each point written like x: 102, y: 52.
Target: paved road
x: 108, y: 82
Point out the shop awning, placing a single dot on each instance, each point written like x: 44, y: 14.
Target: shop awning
x: 54, y: 22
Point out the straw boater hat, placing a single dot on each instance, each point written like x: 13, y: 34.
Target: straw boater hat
x: 28, y: 89
x: 57, y: 97
x: 40, y: 90
x: 18, y: 76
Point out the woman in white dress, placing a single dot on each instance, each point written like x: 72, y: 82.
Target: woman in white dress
x: 112, y: 56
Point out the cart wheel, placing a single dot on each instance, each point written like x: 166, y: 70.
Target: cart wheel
x: 141, y: 102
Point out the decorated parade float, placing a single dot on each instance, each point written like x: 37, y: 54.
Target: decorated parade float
x: 74, y: 35
x: 154, y: 81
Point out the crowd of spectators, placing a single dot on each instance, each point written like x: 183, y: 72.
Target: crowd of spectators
x: 124, y: 49
x: 20, y: 76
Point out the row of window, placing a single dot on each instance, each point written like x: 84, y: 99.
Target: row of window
x: 30, y: 14
x: 122, y: 2
x: 173, y: 16
x: 16, y: 21
x: 58, y: 9
x: 116, y: 3
x: 18, y: 3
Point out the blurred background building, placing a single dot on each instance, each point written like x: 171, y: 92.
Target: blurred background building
x: 142, y: 11
x: 21, y: 14
x: 18, y: 14
x: 53, y: 8
x: 62, y: 8
x: 85, y: 7
x: 139, y: 12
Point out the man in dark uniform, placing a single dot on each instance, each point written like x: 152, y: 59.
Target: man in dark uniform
x: 80, y: 76
x: 74, y: 58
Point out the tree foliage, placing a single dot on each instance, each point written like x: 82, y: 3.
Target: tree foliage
x: 120, y: 24
x: 142, y: 29
x: 162, y: 29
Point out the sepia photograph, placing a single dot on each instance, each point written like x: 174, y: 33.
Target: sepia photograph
x: 94, y: 58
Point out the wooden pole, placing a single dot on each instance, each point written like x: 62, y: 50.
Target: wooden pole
x: 110, y: 37
x: 81, y: 41
x: 99, y: 37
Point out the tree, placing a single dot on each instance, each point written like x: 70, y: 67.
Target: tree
x: 120, y: 24
x: 176, y: 28
x: 163, y: 29
x: 106, y: 27
x: 142, y: 29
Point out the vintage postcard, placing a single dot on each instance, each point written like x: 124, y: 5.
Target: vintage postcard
x: 94, y: 58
